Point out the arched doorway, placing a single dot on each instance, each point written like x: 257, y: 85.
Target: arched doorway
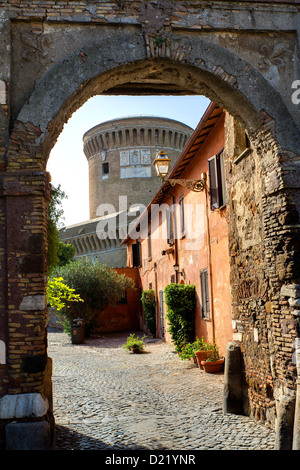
x: 261, y: 193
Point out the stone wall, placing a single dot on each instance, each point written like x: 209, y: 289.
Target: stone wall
x: 102, y: 244
x: 264, y: 254
x: 242, y: 55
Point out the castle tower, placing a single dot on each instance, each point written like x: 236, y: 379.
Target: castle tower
x: 120, y: 153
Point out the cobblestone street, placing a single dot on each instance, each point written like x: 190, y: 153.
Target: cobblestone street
x: 105, y: 398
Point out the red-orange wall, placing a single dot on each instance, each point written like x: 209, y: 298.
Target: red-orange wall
x: 123, y: 316
x: 193, y: 255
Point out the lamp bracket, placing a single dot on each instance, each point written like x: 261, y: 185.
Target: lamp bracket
x: 194, y: 185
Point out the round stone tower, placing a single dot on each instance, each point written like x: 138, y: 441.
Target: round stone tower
x: 120, y: 153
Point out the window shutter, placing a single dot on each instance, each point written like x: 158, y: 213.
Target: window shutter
x: 149, y: 246
x: 170, y: 226
x: 139, y: 253
x: 213, y: 183
x: 204, y: 293
x: 182, y: 222
x: 224, y: 193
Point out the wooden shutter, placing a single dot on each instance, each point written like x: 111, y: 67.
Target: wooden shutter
x: 182, y: 222
x: 204, y: 293
x: 217, y: 183
x: 223, y: 178
x: 149, y: 246
x: 213, y: 183
x: 170, y: 226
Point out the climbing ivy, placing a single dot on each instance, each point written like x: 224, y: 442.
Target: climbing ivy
x: 148, y: 301
x: 180, y: 302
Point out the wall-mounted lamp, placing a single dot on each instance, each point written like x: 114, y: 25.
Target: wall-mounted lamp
x: 162, y: 166
x: 176, y: 268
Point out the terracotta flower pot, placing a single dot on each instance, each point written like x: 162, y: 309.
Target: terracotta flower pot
x: 212, y: 367
x: 136, y: 350
x: 201, y: 356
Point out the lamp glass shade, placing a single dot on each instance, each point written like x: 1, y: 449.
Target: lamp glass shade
x: 162, y: 164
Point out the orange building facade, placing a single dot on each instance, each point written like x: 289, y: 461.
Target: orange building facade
x: 125, y: 315
x: 182, y: 237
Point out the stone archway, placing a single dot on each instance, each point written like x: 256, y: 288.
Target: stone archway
x: 262, y: 183
x: 193, y: 65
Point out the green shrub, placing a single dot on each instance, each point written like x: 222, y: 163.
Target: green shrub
x: 134, y: 343
x: 180, y: 301
x: 96, y: 284
x: 148, y: 301
x: 59, y: 294
x: 189, y: 349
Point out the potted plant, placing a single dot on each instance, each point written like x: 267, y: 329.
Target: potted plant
x: 213, y: 363
x: 134, y: 344
x: 202, y: 352
x: 188, y: 351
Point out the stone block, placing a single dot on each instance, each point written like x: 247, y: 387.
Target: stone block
x: 23, y: 405
x: 291, y: 290
x: 28, y: 436
x: 285, y: 424
x: 33, y: 302
x: 232, y: 397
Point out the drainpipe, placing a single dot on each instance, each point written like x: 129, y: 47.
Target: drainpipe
x: 209, y: 262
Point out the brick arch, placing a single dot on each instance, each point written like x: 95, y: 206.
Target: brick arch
x: 197, y: 66
x: 200, y: 67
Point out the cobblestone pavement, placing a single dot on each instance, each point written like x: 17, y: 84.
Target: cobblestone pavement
x: 105, y: 398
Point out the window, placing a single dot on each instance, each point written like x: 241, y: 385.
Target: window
x: 181, y: 214
x: 105, y: 170
x: 170, y: 225
x: 173, y: 279
x: 204, y: 294
x: 136, y: 255
x: 217, y: 186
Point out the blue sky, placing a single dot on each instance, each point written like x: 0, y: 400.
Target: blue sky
x: 67, y: 163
